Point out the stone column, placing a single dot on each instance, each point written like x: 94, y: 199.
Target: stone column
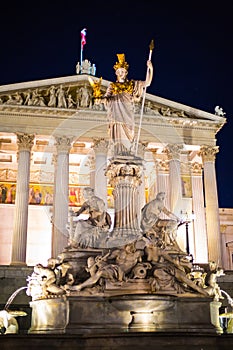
x: 163, y: 183
x: 153, y: 189
x: 173, y: 152
x: 100, y: 148
x: 211, y: 200
x: 91, y: 159
x: 141, y: 188
x: 125, y: 179
x: 19, y: 244
x: 200, y: 234
x: 60, y: 219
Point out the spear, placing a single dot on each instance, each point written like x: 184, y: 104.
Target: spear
x: 151, y: 46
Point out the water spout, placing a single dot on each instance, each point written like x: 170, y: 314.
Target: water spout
x: 12, y: 297
x: 229, y: 299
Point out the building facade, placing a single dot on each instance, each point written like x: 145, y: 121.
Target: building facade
x: 54, y: 142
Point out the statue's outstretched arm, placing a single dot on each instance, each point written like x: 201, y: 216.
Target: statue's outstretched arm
x: 83, y: 208
x: 169, y: 213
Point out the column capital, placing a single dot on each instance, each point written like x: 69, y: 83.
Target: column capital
x: 129, y: 174
x: 63, y: 143
x: 54, y: 159
x: 100, y: 146
x: 196, y: 168
x: 173, y: 151
x: 162, y: 165
x: 25, y: 141
x: 208, y: 153
x: 154, y: 153
x: 91, y: 162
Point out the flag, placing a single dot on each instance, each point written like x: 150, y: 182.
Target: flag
x: 83, y: 37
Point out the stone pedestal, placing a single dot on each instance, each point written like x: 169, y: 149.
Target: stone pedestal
x: 49, y: 316
x: 214, y: 313
x: 125, y: 177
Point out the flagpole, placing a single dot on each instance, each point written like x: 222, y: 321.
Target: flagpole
x: 81, y: 56
x: 151, y: 46
x: 83, y: 42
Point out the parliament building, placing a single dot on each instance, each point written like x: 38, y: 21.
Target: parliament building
x: 54, y: 142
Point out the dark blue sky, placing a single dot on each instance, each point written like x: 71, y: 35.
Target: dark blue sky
x: 193, y: 56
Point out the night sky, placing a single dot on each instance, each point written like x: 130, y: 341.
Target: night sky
x: 193, y: 55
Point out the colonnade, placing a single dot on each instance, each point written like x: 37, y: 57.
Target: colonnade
x: 168, y: 179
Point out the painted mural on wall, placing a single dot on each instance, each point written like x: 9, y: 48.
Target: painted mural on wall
x: 75, y: 196
x: 7, y: 193
x: 39, y: 194
x: 110, y: 198
x: 186, y: 186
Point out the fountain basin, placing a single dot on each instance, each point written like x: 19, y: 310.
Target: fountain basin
x: 114, y: 314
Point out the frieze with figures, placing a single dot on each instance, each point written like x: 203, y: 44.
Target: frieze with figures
x: 77, y: 97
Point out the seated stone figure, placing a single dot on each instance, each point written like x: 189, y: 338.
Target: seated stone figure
x: 151, y: 223
x: 88, y: 231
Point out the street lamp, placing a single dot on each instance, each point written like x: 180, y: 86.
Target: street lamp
x: 188, y: 219
x: 187, y: 236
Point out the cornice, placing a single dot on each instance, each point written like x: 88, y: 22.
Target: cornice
x: 86, y: 124
x: 180, y: 122
x: 92, y: 115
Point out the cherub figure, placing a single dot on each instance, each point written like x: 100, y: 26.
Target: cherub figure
x: 212, y: 287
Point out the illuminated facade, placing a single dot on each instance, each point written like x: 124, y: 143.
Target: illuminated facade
x: 54, y: 142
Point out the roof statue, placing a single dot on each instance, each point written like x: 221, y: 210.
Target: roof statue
x: 219, y: 111
x: 85, y: 67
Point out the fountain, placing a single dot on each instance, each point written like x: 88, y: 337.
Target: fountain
x: 8, y: 322
x: 134, y: 277
x: 12, y: 297
x: 229, y: 299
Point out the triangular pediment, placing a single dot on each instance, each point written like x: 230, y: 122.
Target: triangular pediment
x: 38, y: 93
x: 46, y: 105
